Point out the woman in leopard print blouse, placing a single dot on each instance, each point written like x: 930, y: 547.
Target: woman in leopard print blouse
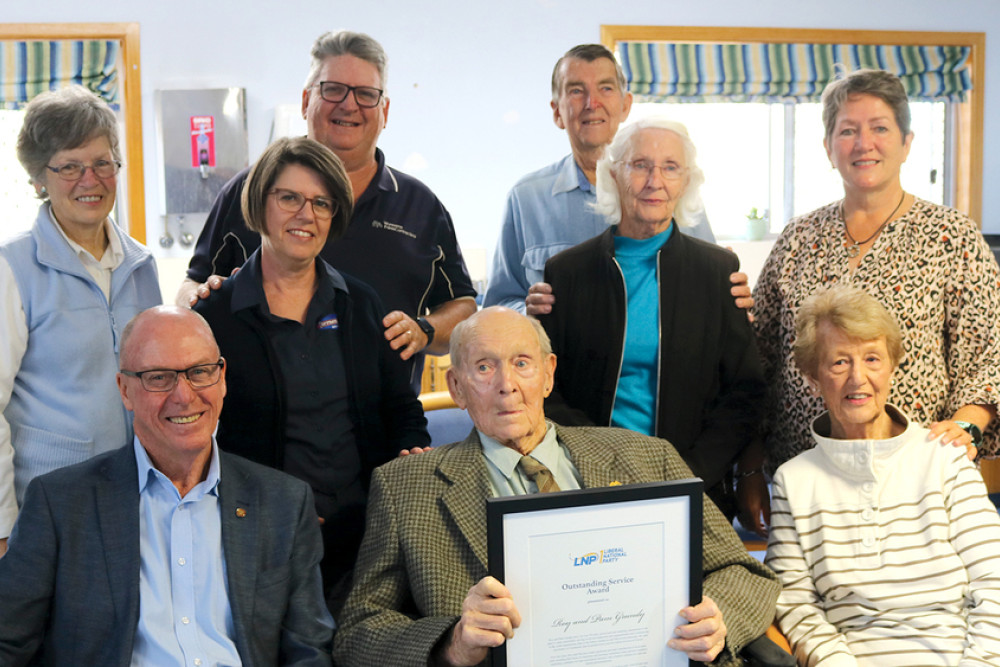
x: 927, y: 264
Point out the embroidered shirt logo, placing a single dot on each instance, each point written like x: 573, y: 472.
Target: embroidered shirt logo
x: 392, y: 227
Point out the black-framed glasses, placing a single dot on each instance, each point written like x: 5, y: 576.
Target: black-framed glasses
x: 165, y: 379
x: 74, y: 171
x: 291, y: 201
x: 335, y: 91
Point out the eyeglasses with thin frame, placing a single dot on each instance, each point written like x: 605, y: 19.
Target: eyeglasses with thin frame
x: 671, y: 171
x: 291, y: 201
x: 334, y: 91
x: 74, y: 171
x: 199, y: 376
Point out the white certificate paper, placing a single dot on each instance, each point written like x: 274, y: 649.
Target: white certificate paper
x: 599, y: 584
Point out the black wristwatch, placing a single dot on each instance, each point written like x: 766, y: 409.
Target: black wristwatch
x: 427, y: 328
x: 974, y: 431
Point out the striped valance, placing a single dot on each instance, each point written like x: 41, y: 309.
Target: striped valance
x: 665, y: 71
x: 30, y: 67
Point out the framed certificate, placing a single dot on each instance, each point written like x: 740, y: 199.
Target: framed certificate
x: 599, y: 575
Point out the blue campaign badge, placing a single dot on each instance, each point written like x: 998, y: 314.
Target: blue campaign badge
x: 328, y: 322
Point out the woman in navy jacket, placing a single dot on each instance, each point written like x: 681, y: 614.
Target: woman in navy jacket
x: 314, y: 388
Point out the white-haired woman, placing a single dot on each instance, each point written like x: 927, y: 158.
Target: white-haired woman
x: 885, y: 542
x: 647, y: 334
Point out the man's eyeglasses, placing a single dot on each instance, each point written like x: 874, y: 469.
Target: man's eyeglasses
x: 74, y: 171
x: 365, y: 96
x: 291, y: 201
x: 671, y: 171
x: 165, y: 379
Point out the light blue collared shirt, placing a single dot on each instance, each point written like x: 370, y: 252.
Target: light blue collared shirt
x: 184, y: 613
x: 547, y: 212
x: 508, y: 479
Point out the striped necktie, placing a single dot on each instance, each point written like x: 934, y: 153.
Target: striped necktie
x: 539, y: 474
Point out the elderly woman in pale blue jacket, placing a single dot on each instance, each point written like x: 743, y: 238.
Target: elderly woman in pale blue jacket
x: 68, y: 286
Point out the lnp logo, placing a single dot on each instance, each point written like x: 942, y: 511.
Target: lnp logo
x: 609, y: 555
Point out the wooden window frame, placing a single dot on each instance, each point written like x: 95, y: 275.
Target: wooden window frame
x: 968, y: 141
x: 127, y: 34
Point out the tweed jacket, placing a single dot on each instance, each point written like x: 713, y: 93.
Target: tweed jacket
x: 69, y: 585
x: 425, y: 546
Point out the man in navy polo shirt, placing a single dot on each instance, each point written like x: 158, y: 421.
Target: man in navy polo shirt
x: 401, y: 240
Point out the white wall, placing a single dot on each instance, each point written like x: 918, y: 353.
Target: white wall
x: 468, y: 81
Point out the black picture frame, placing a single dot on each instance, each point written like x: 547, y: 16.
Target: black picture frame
x: 498, y: 508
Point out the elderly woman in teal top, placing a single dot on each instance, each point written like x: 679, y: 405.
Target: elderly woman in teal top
x: 646, y: 332
x: 68, y: 287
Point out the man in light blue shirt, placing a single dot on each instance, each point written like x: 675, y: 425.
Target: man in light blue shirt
x: 549, y: 210
x: 166, y: 551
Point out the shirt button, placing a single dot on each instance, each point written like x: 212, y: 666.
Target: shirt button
x: 185, y: 620
x: 182, y: 561
x: 867, y: 514
x: 862, y: 457
x: 868, y: 486
x: 868, y: 541
x: 197, y: 662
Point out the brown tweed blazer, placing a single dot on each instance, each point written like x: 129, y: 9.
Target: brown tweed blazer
x: 425, y: 546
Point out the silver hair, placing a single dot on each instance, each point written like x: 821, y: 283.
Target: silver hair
x: 608, y: 201
x: 59, y: 120
x: 347, y: 43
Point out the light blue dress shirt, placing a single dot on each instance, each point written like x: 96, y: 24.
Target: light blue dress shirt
x: 547, y: 212
x: 508, y: 479
x: 184, y: 613
x: 635, y: 397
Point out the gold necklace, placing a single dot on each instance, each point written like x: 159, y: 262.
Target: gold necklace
x: 854, y: 247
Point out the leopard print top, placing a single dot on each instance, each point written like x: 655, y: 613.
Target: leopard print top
x: 933, y: 271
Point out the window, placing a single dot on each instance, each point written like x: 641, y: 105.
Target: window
x: 770, y: 157
x: 16, y: 191
x: 769, y: 154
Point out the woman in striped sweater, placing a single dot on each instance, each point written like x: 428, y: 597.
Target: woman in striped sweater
x: 886, y: 544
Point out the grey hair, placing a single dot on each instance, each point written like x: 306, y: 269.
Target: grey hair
x: 875, y: 82
x: 588, y: 53
x: 347, y: 43
x: 464, y: 331
x: 59, y: 120
x: 608, y: 201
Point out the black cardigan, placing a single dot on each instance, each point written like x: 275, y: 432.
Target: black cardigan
x: 711, y: 386
x: 387, y: 416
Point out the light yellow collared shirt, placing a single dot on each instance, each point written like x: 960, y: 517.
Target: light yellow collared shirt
x: 101, y: 270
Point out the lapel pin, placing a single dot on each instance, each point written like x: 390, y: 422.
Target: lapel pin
x: 240, y: 512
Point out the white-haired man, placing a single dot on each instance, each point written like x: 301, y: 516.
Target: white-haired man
x: 421, y: 591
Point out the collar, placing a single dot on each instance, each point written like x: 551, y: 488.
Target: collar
x: 384, y: 180
x: 148, y: 473
x: 507, y: 459
x: 862, y: 459
x: 570, y: 177
x: 248, y: 284
x: 114, y: 254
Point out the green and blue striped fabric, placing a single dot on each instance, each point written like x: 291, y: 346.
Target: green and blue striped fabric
x: 28, y: 68
x: 672, y: 72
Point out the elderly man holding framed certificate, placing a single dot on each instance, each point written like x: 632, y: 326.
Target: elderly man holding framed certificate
x: 422, y: 594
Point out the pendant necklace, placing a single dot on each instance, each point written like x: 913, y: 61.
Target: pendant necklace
x: 854, y: 248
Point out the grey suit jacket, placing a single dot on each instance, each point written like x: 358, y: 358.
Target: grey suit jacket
x: 69, y: 584
x: 425, y: 546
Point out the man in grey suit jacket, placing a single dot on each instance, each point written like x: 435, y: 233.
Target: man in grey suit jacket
x: 421, y: 592
x: 165, y: 551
